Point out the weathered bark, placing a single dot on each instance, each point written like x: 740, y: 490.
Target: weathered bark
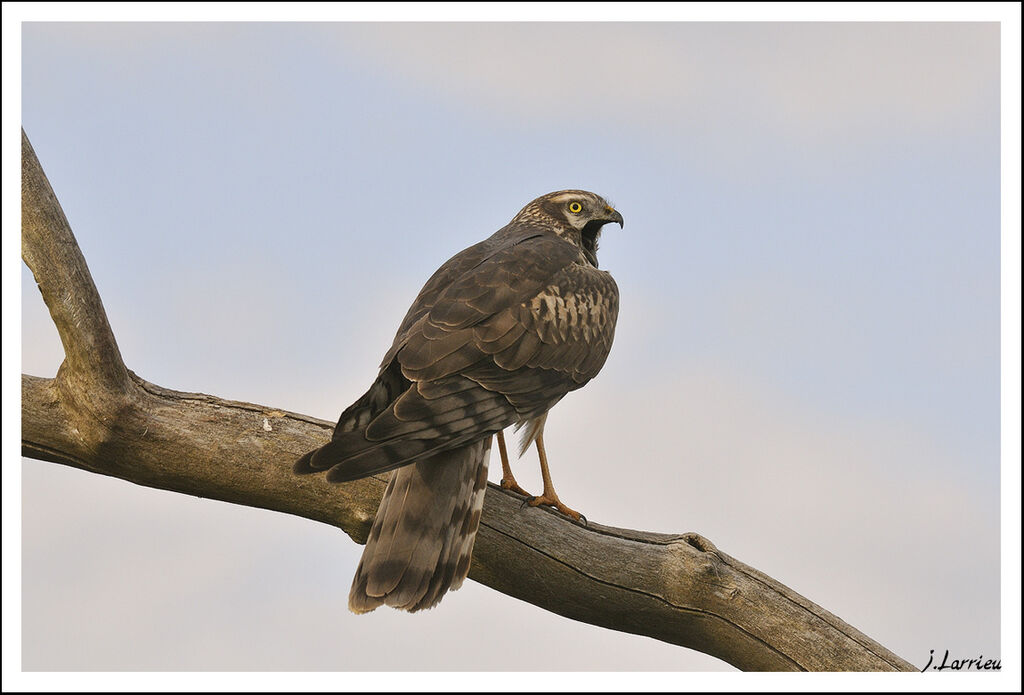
x: 99, y: 416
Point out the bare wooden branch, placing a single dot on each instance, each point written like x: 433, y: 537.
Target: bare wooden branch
x: 675, y: 588
x: 51, y: 252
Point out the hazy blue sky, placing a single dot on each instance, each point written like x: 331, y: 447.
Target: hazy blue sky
x: 806, y: 367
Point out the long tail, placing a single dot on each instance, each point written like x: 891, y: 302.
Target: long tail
x: 421, y: 541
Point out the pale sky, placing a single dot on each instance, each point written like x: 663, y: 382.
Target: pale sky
x: 806, y: 366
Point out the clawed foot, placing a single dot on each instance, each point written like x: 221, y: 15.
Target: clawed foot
x: 511, y: 484
x: 549, y: 498
x: 557, y: 504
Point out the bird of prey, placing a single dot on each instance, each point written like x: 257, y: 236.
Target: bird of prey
x: 497, y: 336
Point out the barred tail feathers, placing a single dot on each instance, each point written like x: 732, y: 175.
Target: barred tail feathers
x: 421, y: 541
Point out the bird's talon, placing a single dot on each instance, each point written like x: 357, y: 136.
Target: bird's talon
x: 512, y: 485
x: 557, y: 504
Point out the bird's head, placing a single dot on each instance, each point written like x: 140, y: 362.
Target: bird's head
x: 578, y: 217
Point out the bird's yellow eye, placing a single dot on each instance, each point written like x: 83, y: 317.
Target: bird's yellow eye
x: 575, y: 207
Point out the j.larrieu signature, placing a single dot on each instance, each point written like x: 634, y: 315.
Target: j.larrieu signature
x: 979, y: 664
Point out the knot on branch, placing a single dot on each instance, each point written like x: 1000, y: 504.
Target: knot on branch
x: 699, y: 542
x: 694, y: 568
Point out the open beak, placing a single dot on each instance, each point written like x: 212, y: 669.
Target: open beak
x: 613, y: 216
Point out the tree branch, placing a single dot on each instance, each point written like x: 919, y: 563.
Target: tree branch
x: 51, y: 252
x: 99, y: 416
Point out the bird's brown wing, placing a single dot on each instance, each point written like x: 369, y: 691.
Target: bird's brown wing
x: 501, y: 342
x: 559, y: 341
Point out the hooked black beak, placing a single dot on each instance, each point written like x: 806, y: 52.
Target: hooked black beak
x: 613, y: 216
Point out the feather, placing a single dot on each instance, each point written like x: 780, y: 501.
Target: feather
x: 423, y: 534
x: 530, y: 430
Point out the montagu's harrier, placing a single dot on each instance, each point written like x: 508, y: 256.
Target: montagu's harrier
x: 497, y: 336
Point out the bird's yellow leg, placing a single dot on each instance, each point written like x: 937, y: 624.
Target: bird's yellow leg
x: 508, y: 481
x: 549, y: 497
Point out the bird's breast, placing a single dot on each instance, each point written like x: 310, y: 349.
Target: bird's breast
x: 562, y: 315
